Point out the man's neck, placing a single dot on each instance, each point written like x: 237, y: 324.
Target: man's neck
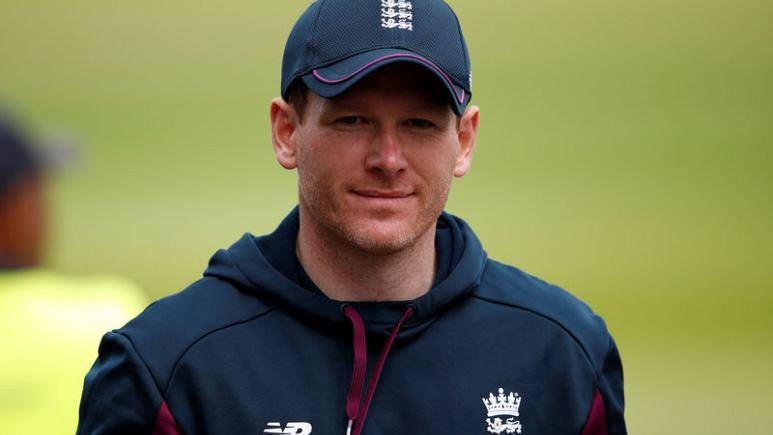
x: 345, y: 273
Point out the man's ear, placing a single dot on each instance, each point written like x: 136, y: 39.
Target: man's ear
x: 467, y: 134
x: 284, y: 122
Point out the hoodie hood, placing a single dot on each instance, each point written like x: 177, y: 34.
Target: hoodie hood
x: 251, y: 265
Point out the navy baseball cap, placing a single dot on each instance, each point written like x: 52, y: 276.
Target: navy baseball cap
x: 335, y: 43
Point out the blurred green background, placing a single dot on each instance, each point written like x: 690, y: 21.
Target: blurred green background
x: 625, y: 153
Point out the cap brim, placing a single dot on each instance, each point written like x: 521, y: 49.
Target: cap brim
x: 337, y: 78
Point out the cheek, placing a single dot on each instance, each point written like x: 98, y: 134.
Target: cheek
x: 436, y: 162
x: 314, y: 166
x: 442, y: 188
x: 330, y: 157
x: 319, y: 174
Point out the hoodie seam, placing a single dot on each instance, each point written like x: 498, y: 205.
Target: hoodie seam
x: 173, y: 372
x: 89, y: 418
x: 610, y: 347
x: 161, y: 392
x: 596, y: 371
x: 236, y: 265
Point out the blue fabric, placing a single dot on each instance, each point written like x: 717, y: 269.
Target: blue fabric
x: 341, y: 40
x: 247, y: 345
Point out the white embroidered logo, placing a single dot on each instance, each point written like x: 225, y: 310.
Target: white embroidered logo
x: 500, y: 407
x: 397, y: 14
x: 297, y: 428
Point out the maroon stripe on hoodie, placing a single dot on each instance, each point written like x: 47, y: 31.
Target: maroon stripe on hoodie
x: 165, y: 424
x: 596, y: 424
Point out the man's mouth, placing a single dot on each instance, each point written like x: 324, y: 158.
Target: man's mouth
x: 382, y: 194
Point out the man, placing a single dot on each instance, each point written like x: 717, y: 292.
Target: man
x: 49, y: 322
x: 368, y: 310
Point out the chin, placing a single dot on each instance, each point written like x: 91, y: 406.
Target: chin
x: 376, y: 232
x: 380, y: 237
x: 381, y: 245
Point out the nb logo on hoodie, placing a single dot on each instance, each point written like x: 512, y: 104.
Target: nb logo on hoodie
x: 297, y: 428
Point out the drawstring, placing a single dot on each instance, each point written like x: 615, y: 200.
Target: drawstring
x: 360, y: 364
x: 354, y: 411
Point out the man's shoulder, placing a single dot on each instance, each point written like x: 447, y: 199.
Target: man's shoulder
x: 169, y: 327
x: 509, y: 286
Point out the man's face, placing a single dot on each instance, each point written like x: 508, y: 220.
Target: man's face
x: 375, y: 164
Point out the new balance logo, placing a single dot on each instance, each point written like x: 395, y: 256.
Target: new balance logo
x: 297, y: 428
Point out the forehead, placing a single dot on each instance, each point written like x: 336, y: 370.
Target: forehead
x: 405, y: 81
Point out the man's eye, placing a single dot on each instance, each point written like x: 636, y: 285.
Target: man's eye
x: 419, y: 123
x: 350, y: 120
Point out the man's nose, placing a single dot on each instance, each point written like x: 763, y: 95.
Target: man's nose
x: 386, y: 154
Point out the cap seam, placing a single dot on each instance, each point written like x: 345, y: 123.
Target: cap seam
x: 311, y: 43
x: 467, y: 62
x: 309, y: 46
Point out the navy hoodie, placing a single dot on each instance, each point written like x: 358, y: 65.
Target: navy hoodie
x: 254, y: 347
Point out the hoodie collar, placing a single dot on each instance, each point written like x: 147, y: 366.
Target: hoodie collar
x: 268, y: 268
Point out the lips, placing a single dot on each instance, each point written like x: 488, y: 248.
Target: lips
x: 382, y: 194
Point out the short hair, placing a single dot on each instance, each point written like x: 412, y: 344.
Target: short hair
x: 297, y: 97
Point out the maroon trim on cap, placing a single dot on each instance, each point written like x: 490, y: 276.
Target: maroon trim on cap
x: 597, y: 418
x: 421, y: 59
x: 165, y: 424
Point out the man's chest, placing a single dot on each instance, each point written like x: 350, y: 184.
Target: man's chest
x: 465, y: 386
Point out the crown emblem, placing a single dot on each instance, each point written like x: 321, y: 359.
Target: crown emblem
x: 502, y: 404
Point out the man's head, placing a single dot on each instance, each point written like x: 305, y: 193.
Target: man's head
x: 377, y: 150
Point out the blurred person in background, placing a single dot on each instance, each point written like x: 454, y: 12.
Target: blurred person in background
x: 50, y: 323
